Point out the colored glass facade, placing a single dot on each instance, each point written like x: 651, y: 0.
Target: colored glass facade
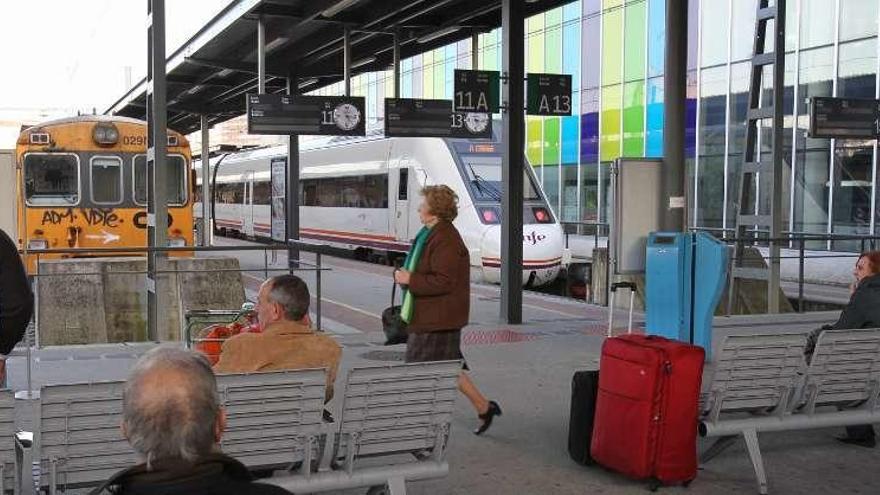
x: 614, y: 51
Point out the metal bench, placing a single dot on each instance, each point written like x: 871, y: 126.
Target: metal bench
x: 80, y: 438
x: 765, y: 378
x: 388, y: 411
x: 8, y: 473
x: 271, y: 417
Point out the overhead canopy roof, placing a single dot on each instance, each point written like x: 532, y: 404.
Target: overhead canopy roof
x: 212, y: 72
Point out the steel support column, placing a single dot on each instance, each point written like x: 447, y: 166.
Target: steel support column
x: 674, y: 177
x: 513, y: 144
x: 475, y: 50
x: 346, y: 60
x: 157, y: 150
x: 395, y: 61
x: 205, y: 226
x: 261, y: 55
x: 291, y: 183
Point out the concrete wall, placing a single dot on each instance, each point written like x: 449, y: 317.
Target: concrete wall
x: 88, y: 301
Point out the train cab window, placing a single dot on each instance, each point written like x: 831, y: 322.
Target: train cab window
x: 106, y: 175
x: 483, y: 173
x: 403, y: 185
x: 51, y: 179
x: 176, y: 180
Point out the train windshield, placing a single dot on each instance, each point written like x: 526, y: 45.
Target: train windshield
x: 51, y: 179
x: 176, y: 180
x: 483, y: 174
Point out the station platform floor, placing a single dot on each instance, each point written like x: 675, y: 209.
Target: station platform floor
x: 526, y: 368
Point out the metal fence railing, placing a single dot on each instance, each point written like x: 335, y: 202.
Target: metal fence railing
x: 269, y: 251
x: 796, y: 247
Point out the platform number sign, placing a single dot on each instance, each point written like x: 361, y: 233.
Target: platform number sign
x: 476, y: 91
x: 409, y: 117
x: 548, y: 94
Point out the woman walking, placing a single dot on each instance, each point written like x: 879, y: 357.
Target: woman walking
x: 436, y: 302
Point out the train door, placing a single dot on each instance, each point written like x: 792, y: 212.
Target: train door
x: 401, y: 220
x: 247, y: 207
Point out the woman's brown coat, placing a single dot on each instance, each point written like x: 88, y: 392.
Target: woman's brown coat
x: 441, y: 282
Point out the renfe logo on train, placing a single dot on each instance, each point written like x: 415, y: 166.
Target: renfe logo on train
x: 533, y: 238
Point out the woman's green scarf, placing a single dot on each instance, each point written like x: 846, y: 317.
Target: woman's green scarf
x: 412, y: 261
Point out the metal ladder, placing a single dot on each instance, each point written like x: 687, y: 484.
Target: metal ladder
x: 751, y: 211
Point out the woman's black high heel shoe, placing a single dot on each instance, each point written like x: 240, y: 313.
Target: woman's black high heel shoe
x: 487, y: 417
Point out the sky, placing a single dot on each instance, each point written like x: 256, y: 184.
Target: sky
x: 58, y: 57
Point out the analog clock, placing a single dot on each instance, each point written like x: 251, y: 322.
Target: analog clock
x: 346, y: 116
x: 476, y: 122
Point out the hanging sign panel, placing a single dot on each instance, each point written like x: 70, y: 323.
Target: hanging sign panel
x: 476, y: 91
x: 853, y: 118
x: 548, y: 94
x: 307, y: 115
x: 410, y: 117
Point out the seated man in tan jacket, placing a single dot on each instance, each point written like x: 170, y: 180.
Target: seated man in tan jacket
x: 287, y: 341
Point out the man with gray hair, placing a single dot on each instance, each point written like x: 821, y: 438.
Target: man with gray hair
x: 173, y: 419
x: 287, y: 341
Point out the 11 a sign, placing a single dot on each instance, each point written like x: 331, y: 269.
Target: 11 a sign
x: 548, y: 94
x: 476, y: 91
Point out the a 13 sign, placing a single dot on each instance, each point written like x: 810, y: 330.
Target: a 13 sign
x: 548, y: 94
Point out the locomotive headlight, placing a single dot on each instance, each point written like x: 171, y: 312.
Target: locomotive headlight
x: 105, y: 134
x: 490, y: 215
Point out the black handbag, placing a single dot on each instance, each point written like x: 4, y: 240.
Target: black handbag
x: 393, y: 326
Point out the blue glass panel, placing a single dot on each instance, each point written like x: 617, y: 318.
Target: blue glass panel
x: 571, y: 11
x: 656, y: 36
x: 569, y: 140
x: 571, y: 51
x: 654, y: 118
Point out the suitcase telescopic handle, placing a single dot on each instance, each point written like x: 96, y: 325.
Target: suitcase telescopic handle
x: 623, y: 285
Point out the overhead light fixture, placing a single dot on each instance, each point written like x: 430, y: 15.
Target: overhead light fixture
x: 362, y: 62
x: 438, y: 34
x: 338, y: 7
x: 307, y: 82
x: 225, y: 72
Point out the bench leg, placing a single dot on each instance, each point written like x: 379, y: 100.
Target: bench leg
x: 720, y: 445
x: 751, y: 438
x: 396, y: 486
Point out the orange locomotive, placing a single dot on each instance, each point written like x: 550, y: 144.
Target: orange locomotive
x: 81, y: 183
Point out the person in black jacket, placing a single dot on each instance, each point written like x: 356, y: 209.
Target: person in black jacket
x: 16, y: 300
x: 862, y: 311
x: 172, y: 418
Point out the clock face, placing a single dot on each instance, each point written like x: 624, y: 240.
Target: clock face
x: 346, y: 116
x: 476, y: 122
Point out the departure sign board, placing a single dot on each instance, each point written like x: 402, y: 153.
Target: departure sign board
x: 408, y: 117
x: 852, y: 118
x: 476, y: 91
x: 308, y: 115
x: 548, y: 94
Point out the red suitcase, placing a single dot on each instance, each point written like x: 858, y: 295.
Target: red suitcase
x: 646, y: 411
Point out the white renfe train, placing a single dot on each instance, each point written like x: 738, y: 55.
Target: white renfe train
x: 362, y: 194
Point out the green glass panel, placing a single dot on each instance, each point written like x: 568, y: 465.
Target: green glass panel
x: 440, y: 74
x: 535, y: 41
x: 428, y: 75
x: 609, y: 142
x: 634, y: 119
x: 612, y: 46
x: 634, y: 42
x: 607, y: 4
x: 553, y: 42
x: 533, y: 140
x: 551, y: 140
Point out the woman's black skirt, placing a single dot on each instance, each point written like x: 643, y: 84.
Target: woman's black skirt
x: 444, y: 345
